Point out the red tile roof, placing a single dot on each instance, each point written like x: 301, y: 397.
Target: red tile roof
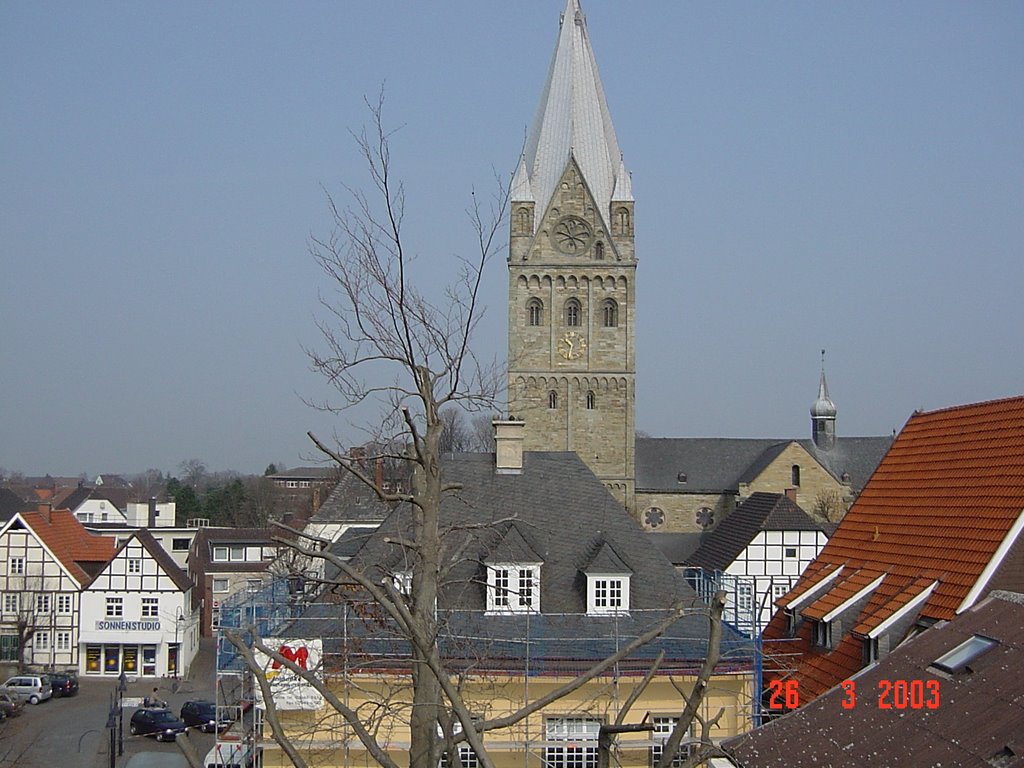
x: 937, y: 509
x: 69, y: 541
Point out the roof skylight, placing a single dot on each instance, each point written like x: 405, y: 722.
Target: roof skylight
x: 957, y: 659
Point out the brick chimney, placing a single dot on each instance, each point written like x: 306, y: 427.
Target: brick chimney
x: 508, y: 446
x: 791, y: 494
x: 152, y: 512
x: 44, y: 508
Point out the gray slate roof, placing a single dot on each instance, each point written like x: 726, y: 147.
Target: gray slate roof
x: 351, y: 501
x: 306, y: 473
x: 562, y: 512
x: 720, y: 464
x: 760, y: 512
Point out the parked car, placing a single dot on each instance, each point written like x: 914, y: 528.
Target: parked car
x: 30, y: 688
x: 202, y: 714
x: 10, y: 706
x: 156, y: 722
x: 64, y: 684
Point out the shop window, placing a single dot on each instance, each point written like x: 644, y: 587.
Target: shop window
x: 111, y: 659
x: 149, y: 660
x: 92, y: 659
x: 131, y: 658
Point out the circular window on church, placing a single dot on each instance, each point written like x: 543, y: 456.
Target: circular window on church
x: 572, y: 235
x: 705, y: 517
x: 654, y: 517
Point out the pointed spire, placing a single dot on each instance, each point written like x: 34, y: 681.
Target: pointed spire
x: 823, y: 407
x: 573, y: 120
x: 521, y: 191
x: 623, y: 183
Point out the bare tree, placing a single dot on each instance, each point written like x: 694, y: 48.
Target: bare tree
x: 388, y: 342
x: 456, y: 435
x: 483, y: 432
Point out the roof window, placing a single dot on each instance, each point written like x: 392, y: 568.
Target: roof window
x: 960, y: 657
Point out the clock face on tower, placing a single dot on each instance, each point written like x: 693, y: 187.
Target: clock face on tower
x: 572, y: 235
x: 572, y: 345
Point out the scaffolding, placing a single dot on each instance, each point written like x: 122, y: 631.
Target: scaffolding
x: 517, y: 655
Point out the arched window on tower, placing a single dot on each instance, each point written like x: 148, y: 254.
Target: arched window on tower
x: 572, y: 313
x: 535, y: 312
x: 599, y: 251
x: 610, y: 311
x: 591, y: 400
x: 622, y: 220
x: 552, y: 399
x: 795, y: 476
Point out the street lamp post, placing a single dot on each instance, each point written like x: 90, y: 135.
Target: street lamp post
x: 178, y: 618
x: 122, y: 686
x: 112, y: 727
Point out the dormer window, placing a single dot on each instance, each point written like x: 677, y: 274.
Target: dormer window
x: 607, y: 593
x: 513, y: 587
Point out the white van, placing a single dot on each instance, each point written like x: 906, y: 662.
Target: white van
x: 227, y: 754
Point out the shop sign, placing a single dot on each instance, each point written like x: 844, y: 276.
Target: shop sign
x: 120, y: 625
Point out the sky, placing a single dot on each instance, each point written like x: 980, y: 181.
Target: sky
x: 808, y: 175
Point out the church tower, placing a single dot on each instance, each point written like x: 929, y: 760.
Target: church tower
x: 823, y: 414
x: 572, y: 352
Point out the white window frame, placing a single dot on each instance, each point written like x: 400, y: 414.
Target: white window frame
x: 744, y: 597
x: 221, y: 554
x: 65, y: 605
x: 220, y: 580
x: 513, y: 587
x: 663, y: 727
x: 580, y: 733
x: 402, y: 582
x: 16, y: 566
x: 62, y: 641
x: 41, y: 640
x: 43, y: 602
x: 134, y: 566
x: 608, y: 594
x: 10, y: 603
x: 114, y: 608
x: 150, y: 608
x: 237, y: 553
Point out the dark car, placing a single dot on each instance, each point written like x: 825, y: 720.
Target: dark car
x: 202, y: 714
x: 10, y: 706
x: 156, y: 722
x: 64, y: 684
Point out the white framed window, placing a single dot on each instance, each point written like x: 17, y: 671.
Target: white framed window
x: 134, y: 565
x: 293, y: 483
x: 580, y: 735
x: 402, y: 581
x: 17, y: 566
x: 467, y: 757
x: 42, y: 603
x: 252, y: 586
x: 64, y: 604
x: 63, y: 641
x: 150, y: 607
x: 221, y: 585
x: 744, y: 597
x: 237, y: 553
x: 220, y: 554
x: 607, y: 593
x: 115, y: 607
x: 513, y: 587
x: 10, y: 602
x: 663, y: 727
x: 41, y: 641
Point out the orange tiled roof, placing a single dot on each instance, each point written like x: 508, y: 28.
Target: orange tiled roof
x: 69, y: 541
x: 842, y: 589
x: 936, y: 509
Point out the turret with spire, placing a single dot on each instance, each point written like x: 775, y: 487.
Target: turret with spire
x: 823, y: 414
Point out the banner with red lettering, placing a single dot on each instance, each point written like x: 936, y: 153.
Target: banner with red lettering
x: 292, y: 690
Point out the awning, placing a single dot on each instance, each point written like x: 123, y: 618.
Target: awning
x: 122, y: 638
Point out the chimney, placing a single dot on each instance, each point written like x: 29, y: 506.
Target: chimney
x: 379, y: 473
x: 791, y: 494
x: 152, y: 512
x: 508, y: 446
x: 44, y: 508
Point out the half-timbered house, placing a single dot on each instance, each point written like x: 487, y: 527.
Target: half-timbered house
x: 137, y: 615
x: 46, y: 557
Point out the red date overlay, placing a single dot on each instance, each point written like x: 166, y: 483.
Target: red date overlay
x: 891, y: 694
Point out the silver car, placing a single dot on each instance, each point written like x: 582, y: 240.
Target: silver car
x: 30, y: 688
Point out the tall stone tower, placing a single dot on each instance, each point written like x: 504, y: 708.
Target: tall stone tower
x: 571, y: 295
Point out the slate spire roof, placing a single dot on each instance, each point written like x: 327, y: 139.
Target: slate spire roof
x: 573, y: 120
